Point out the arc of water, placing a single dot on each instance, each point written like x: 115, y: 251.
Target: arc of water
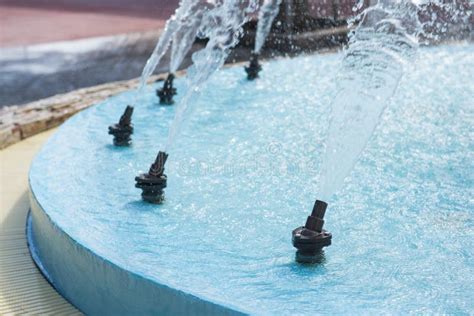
x: 223, y: 26
x: 183, y: 39
x: 383, y: 42
x: 183, y: 13
x: 266, y: 15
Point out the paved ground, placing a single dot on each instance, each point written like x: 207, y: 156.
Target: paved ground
x: 39, y: 71
x: 23, y: 290
x: 55, y: 46
x: 28, y: 22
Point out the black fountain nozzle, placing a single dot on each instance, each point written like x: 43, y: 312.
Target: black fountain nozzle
x: 254, y: 67
x: 312, y: 238
x: 123, y: 129
x: 154, y: 182
x: 168, y: 91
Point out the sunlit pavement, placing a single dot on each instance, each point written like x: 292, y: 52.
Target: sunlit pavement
x: 48, y: 47
x: 28, y: 22
x: 23, y: 289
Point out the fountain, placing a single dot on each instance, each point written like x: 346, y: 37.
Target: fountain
x: 182, y: 41
x: 124, y: 129
x: 168, y: 91
x: 310, y: 239
x: 266, y: 15
x: 253, y: 68
x: 380, y: 142
x: 153, y: 182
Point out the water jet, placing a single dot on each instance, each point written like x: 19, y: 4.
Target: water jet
x: 123, y: 129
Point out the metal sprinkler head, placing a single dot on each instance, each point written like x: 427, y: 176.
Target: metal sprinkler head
x: 123, y: 129
x: 167, y: 92
x: 253, y: 68
x: 153, y: 182
x: 312, y: 238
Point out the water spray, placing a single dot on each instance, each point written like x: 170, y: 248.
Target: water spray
x: 266, y: 15
x: 123, y: 129
x: 227, y: 19
x: 223, y: 35
x: 154, y: 182
x: 312, y: 238
x: 382, y: 44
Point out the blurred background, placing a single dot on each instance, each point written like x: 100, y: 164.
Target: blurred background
x: 55, y: 46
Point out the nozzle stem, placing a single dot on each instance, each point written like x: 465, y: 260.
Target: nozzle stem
x: 319, y: 209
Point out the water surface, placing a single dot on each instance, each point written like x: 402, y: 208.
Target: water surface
x: 244, y: 171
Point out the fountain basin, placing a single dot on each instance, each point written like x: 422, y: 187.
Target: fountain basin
x: 241, y: 176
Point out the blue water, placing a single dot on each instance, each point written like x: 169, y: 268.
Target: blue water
x: 244, y: 173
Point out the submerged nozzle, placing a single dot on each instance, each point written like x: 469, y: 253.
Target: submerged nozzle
x: 168, y: 91
x: 254, y: 67
x: 311, y: 238
x: 154, y: 182
x: 123, y: 129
